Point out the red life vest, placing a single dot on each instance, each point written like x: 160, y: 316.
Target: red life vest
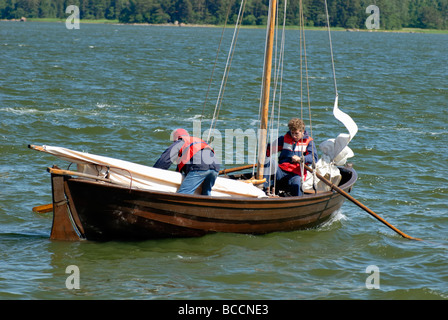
x: 291, y: 148
x: 191, y: 146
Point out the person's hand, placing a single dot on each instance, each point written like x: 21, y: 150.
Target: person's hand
x: 295, y: 159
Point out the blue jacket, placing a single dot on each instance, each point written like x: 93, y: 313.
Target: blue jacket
x: 201, y: 161
x: 287, y: 156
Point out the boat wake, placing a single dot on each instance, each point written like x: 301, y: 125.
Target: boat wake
x: 334, y: 220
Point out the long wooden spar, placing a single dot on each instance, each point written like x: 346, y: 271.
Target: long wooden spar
x: 341, y: 192
x: 359, y: 204
x: 266, y: 90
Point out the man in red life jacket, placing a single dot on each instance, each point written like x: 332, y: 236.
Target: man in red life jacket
x: 296, y: 143
x: 194, y: 158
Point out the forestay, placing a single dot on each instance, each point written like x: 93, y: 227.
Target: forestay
x: 335, y: 151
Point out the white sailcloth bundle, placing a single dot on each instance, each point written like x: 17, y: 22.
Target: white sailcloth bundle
x: 335, y: 152
x: 137, y: 176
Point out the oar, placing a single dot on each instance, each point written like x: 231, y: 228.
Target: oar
x: 359, y: 204
x: 247, y: 166
x: 43, y: 208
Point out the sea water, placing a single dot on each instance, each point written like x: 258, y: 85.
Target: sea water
x: 120, y: 90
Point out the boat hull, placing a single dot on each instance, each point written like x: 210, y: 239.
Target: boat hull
x: 103, y: 211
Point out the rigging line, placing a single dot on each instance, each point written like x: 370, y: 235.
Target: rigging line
x: 306, y: 73
x: 276, y: 73
x: 307, y: 82
x: 270, y: 122
x: 300, y: 57
x: 226, y: 71
x: 261, y: 89
x: 216, y: 59
x: 301, y: 35
x: 278, y: 65
x: 303, y: 58
x: 279, y: 75
x: 231, y: 59
x: 331, y: 49
x: 282, y: 50
x: 275, y: 68
x: 230, y: 63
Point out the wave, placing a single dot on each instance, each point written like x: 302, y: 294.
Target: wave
x: 335, y: 218
x: 24, y: 110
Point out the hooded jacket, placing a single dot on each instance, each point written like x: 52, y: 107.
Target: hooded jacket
x: 188, y: 153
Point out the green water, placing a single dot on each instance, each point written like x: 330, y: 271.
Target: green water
x: 119, y: 91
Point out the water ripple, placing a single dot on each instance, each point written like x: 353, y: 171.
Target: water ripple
x: 120, y: 90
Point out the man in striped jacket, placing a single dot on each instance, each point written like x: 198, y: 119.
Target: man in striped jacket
x: 293, y: 146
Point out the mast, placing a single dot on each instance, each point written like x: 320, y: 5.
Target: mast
x: 266, y: 89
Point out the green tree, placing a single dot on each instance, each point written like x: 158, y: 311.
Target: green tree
x: 8, y: 9
x: 429, y: 17
x: 394, y: 14
x: 249, y: 20
x: 183, y: 11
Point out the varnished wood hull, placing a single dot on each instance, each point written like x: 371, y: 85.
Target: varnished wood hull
x: 102, y: 211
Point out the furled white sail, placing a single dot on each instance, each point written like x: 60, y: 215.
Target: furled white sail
x: 335, y: 152
x: 343, y: 139
x: 137, y: 176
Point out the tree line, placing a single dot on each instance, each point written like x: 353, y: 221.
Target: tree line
x: 394, y: 14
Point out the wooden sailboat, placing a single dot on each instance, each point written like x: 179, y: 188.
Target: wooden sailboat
x: 93, y: 205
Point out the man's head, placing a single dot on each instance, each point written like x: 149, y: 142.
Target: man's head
x: 296, y: 128
x: 178, y: 133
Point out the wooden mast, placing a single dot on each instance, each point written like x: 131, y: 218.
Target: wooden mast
x: 266, y: 89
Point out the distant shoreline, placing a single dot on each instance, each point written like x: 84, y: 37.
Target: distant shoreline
x: 116, y: 22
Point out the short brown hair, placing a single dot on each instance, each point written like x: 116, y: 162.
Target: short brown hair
x: 296, y: 124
